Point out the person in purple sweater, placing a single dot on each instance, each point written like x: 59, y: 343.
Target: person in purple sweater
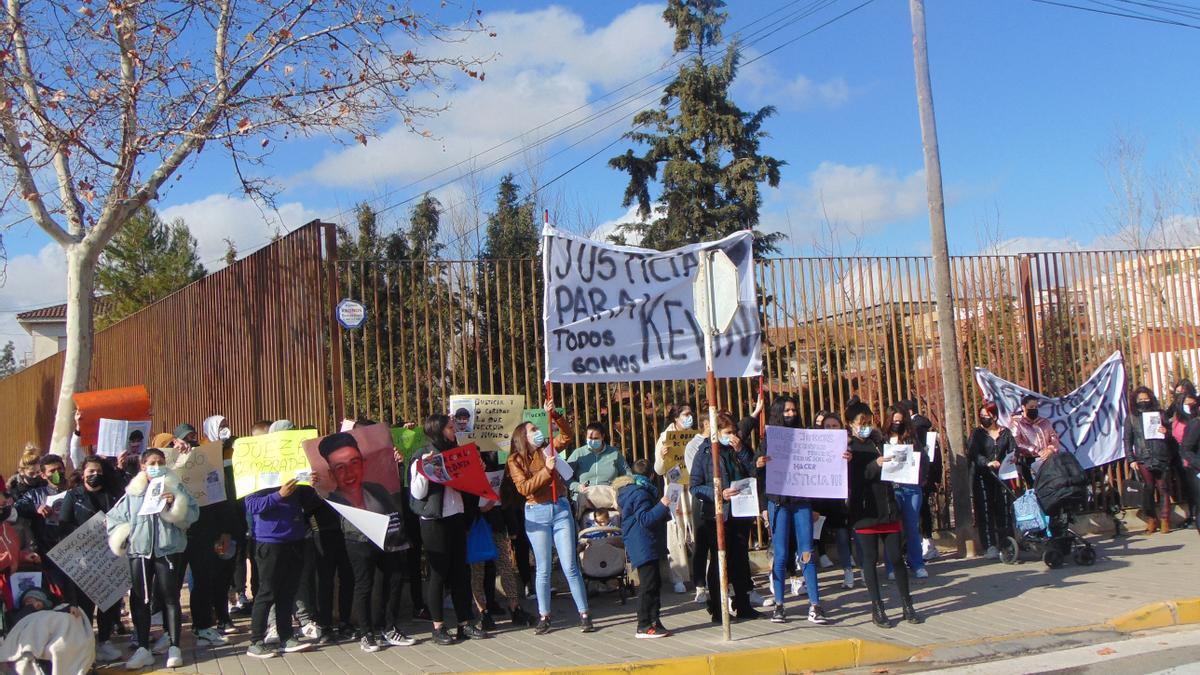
x: 279, y: 529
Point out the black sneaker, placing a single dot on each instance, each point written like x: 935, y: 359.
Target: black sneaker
x: 293, y: 645
x: 521, y: 618
x: 397, y: 638
x: 368, y: 644
x: 747, y: 612
x: 327, y: 639
x: 258, y: 651
x: 442, y: 637
x: 486, y: 621
x: 470, y: 632
x: 778, y: 615
x: 651, y: 633
x: 543, y: 626
x: 815, y: 615
x: 585, y: 624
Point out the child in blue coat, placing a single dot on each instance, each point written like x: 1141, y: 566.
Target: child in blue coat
x: 644, y: 516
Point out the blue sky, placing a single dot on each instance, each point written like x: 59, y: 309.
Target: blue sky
x: 1029, y: 98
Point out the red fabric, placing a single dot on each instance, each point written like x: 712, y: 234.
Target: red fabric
x: 889, y: 528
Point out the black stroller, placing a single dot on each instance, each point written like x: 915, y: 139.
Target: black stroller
x: 1041, y: 518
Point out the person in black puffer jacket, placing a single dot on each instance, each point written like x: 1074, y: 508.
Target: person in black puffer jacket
x: 1151, y: 458
x: 875, y: 515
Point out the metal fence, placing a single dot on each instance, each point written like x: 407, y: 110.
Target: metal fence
x: 834, y: 328
x: 249, y: 342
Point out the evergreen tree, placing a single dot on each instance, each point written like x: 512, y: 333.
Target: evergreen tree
x: 701, y: 147
x: 147, y: 260
x: 424, y: 226
x: 8, y: 360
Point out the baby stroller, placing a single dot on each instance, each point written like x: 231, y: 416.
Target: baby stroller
x: 601, y: 546
x: 1041, y: 518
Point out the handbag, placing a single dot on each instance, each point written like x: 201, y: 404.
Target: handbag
x: 480, y: 545
x: 1133, y: 493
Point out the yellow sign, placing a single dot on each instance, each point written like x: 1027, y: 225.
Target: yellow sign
x: 486, y: 421
x: 261, y: 462
x: 676, y: 443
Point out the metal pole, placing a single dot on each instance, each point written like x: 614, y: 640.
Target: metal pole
x: 956, y: 432
x: 710, y: 390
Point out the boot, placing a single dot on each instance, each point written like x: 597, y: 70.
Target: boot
x: 910, y: 614
x: 1165, y: 525
x: 879, y: 616
x: 1151, y: 526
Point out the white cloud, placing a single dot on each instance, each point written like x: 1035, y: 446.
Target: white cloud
x: 547, y: 64
x: 1174, y: 232
x: 609, y: 227
x: 31, y: 281
x: 763, y: 84
x: 220, y: 216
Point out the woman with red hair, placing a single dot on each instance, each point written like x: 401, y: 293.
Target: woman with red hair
x: 990, y: 443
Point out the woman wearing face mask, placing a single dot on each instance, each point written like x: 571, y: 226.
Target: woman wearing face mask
x: 596, y: 462
x: 836, y: 515
x: 1189, y: 449
x: 737, y: 463
x: 989, y: 444
x: 909, y: 497
x: 680, y: 418
x: 1151, y: 458
x: 1033, y: 434
x: 875, y: 515
x: 97, y: 493
x: 154, y: 544
x: 1177, y: 424
x: 549, y: 521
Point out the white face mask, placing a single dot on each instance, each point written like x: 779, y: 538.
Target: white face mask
x: 687, y: 422
x: 224, y: 434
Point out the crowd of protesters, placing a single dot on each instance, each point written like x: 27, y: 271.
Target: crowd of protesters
x: 307, y: 577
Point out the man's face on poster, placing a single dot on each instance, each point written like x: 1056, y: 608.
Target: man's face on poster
x: 347, y: 467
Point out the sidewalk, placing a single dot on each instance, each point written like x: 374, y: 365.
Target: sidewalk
x: 962, y: 600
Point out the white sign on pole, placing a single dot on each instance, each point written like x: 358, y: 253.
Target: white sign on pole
x: 717, y: 279
x: 84, y: 556
x: 622, y: 313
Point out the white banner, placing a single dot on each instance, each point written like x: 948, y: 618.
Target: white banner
x: 84, y: 556
x: 1090, y: 421
x: 622, y: 313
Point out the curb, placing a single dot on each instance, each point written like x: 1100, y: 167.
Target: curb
x: 854, y: 653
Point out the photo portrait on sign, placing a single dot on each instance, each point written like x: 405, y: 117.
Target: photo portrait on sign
x: 464, y: 417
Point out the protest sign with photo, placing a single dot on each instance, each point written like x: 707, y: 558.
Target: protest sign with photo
x: 1090, y: 421
x: 117, y: 437
x: 1151, y: 426
x: 124, y: 403
x: 745, y: 503
x: 622, y: 313
x: 84, y: 556
x: 806, y: 462
x: 200, y: 470
x: 905, y: 466
x: 675, y: 496
x: 378, y: 456
x: 20, y: 582
x: 460, y: 468
x: 270, y: 460
x: 492, y: 422
x: 676, y: 444
x: 154, y: 500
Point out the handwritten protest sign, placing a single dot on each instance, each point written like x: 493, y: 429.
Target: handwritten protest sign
x: 408, y: 442
x: 620, y: 313
x: 460, y: 468
x: 115, y: 437
x: 539, y: 418
x: 676, y: 444
x: 84, y: 556
x: 905, y: 466
x: 267, y: 461
x: 125, y: 403
x: 492, y: 420
x: 200, y: 470
x: 806, y: 463
x: 379, y: 459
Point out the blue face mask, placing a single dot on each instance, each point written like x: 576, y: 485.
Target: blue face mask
x: 595, y: 443
x: 726, y: 440
x: 864, y: 432
x: 539, y: 439
x: 687, y: 422
x: 156, y: 471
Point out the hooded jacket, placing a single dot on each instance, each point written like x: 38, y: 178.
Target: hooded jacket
x: 158, y: 535
x: 872, y: 500
x: 643, y: 520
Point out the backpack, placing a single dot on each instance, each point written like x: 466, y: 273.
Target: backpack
x: 1028, y: 514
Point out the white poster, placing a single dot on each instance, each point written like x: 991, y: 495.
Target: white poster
x: 622, y: 313
x: 675, y: 496
x: 116, y: 437
x: 1151, y: 421
x: 373, y: 525
x: 153, y: 502
x: 931, y: 445
x: 1090, y: 421
x: 745, y: 503
x: 905, y: 466
x: 84, y: 556
x: 1008, y: 468
x: 560, y: 463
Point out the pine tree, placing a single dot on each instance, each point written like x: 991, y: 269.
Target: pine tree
x: 8, y: 360
x: 146, y: 261
x: 701, y: 147
x: 424, y: 225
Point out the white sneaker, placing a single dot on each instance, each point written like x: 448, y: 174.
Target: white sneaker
x: 825, y: 562
x: 210, y: 637
x: 272, y: 637
x: 311, y: 631
x: 922, y: 573
x: 142, y: 658
x: 769, y: 601
x: 848, y: 578
x: 797, y: 585
x: 107, y: 653
x: 992, y: 553
x: 701, y: 594
x: 756, y: 600
x: 680, y: 588
x: 161, y: 644
x: 174, y: 657
x: 891, y: 576
x: 928, y: 550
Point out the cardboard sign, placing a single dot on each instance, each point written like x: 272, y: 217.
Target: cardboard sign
x: 486, y: 421
x: 125, y: 403
x: 378, y: 454
x: 267, y: 461
x: 807, y: 463
x: 201, y: 471
x: 116, y: 437
x: 84, y: 556
x: 460, y: 468
x: 676, y: 443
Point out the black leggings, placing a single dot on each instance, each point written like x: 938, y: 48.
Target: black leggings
x: 158, y: 578
x: 870, y: 556
x: 204, y: 563
x: 446, y: 550
x: 376, y: 587
x: 705, y: 539
x: 991, y: 508
x: 333, y: 566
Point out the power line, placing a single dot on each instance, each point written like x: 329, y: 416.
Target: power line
x: 1126, y: 15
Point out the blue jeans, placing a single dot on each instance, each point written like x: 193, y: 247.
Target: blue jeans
x: 909, y: 498
x: 551, y: 525
x: 786, y: 522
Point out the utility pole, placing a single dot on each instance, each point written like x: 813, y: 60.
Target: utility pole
x: 956, y: 433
